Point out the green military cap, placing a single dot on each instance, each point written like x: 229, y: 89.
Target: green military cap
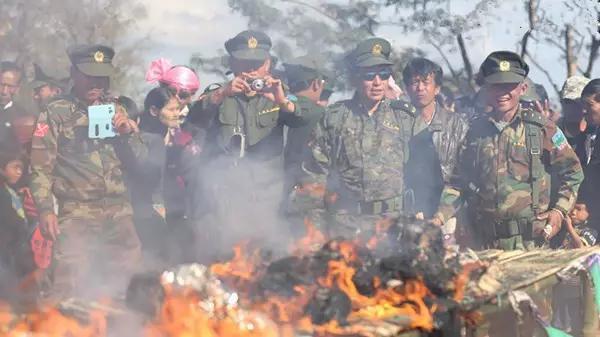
x: 92, y: 60
x: 249, y: 45
x: 503, y: 67
x: 40, y: 79
x: 306, y: 68
x: 370, y: 52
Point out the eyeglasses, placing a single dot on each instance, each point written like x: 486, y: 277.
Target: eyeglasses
x: 370, y: 75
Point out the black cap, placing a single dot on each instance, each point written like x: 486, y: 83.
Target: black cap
x: 249, y: 45
x: 40, y: 79
x: 306, y: 68
x: 92, y: 60
x: 370, y: 52
x: 503, y: 67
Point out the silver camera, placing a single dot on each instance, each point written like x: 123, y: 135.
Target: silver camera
x: 257, y: 84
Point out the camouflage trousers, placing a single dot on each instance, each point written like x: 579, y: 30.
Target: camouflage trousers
x: 351, y: 226
x: 97, y: 248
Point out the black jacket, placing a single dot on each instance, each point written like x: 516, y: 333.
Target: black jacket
x: 433, y: 156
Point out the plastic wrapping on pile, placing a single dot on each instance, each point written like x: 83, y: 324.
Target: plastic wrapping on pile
x: 199, y: 278
x: 219, y: 304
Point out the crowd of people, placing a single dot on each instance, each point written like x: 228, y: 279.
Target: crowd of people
x: 189, y: 174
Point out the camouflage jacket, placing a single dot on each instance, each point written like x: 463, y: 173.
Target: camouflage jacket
x: 494, y: 171
x: 257, y: 117
x: 362, y: 157
x: 67, y: 164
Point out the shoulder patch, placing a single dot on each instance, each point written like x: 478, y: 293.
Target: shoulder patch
x: 41, y: 129
x: 559, y: 140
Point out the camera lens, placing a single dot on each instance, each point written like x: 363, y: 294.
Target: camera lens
x: 257, y: 84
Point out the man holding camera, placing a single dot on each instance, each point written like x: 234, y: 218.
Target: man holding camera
x: 77, y: 181
x: 244, y: 145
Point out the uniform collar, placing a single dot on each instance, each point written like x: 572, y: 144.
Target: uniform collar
x: 501, y: 125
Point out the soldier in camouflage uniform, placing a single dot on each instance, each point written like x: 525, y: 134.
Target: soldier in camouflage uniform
x: 505, y: 164
x: 91, y: 216
x: 243, y: 178
x: 360, y: 147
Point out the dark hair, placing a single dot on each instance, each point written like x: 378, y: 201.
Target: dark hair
x: 541, y: 91
x: 422, y: 67
x: 11, y: 66
x: 10, y: 153
x: 158, y: 98
x: 129, y: 105
x: 591, y: 89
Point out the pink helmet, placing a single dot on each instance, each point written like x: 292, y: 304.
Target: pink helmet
x: 180, y: 77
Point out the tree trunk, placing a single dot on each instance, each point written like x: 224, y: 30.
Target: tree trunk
x: 466, y: 60
x: 531, y: 8
x: 570, y: 53
x: 594, y: 46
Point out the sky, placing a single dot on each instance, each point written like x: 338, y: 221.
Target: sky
x: 180, y: 28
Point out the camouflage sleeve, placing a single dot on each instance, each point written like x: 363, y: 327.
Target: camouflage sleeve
x: 43, y: 159
x: 317, y: 159
x: 565, y: 166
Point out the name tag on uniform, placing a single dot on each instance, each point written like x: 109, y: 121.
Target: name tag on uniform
x: 390, y: 125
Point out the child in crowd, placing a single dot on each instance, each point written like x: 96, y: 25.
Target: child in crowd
x: 15, y: 254
x: 566, y: 302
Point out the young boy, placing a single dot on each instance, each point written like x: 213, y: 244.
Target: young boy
x: 14, y: 227
x: 567, y: 295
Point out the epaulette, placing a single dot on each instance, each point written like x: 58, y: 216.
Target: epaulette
x: 533, y: 117
x: 398, y: 104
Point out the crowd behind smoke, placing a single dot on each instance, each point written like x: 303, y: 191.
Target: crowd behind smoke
x: 191, y: 172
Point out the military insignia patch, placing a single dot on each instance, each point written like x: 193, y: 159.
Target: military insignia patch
x: 559, y: 140
x: 390, y: 125
x: 252, y: 42
x: 504, y: 66
x: 41, y: 130
x: 377, y: 49
x: 99, y: 57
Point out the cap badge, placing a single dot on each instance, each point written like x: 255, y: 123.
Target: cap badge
x: 252, y: 42
x: 504, y: 66
x: 99, y: 57
x: 377, y: 49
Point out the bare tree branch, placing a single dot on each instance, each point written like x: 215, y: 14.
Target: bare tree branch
x: 466, y: 60
x: 570, y: 58
x: 595, y: 45
x: 543, y: 70
x: 444, y: 57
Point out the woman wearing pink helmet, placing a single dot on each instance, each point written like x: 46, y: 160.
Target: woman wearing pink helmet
x: 182, y: 79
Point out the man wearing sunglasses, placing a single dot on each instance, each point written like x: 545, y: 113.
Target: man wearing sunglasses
x: 434, y: 151
x: 244, y: 145
x: 505, y: 164
x: 360, y: 147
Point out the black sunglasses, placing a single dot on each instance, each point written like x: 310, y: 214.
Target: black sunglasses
x: 370, y: 75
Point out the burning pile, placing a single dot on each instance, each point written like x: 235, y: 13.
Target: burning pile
x: 398, y: 280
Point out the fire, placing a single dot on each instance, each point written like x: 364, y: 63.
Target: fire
x: 253, y: 308
x: 50, y: 322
